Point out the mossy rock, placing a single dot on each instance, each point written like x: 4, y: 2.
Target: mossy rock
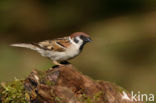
x: 13, y: 92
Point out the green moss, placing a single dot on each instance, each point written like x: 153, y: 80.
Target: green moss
x: 1, y: 89
x: 49, y: 83
x: 14, y: 92
x: 120, y: 89
x: 58, y: 100
x: 42, y: 79
x: 88, y: 99
x: 97, y: 95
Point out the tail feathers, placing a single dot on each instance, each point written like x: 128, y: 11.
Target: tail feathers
x: 30, y: 46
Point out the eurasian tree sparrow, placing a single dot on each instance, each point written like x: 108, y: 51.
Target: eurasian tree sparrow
x: 61, y: 49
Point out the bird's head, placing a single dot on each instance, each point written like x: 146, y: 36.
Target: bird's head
x: 80, y: 38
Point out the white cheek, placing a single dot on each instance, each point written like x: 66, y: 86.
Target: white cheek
x: 80, y: 41
x: 76, y: 45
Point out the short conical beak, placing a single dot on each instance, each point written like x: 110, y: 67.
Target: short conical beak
x: 88, y: 39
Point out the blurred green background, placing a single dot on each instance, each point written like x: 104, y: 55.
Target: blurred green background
x: 124, y: 34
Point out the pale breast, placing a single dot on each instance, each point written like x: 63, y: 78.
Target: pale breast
x: 69, y: 53
x: 72, y: 51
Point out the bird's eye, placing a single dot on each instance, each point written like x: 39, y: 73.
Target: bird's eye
x: 76, y: 40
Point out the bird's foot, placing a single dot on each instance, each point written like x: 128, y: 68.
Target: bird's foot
x: 64, y: 62
x: 55, y: 66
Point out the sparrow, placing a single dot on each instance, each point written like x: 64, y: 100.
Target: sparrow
x: 60, y: 49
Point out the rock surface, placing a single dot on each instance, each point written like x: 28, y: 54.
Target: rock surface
x: 65, y: 84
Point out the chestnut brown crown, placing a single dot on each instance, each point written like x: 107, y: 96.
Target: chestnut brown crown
x: 79, y: 34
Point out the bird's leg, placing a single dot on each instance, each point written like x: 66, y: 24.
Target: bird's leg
x: 62, y: 63
x: 56, y: 63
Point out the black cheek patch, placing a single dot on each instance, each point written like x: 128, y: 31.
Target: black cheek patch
x: 75, y: 40
x: 81, y: 47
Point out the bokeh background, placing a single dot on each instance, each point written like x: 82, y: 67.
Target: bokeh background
x: 124, y: 34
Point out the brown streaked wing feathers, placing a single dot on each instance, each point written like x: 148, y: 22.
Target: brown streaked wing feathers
x: 65, y: 42
x: 57, y: 45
